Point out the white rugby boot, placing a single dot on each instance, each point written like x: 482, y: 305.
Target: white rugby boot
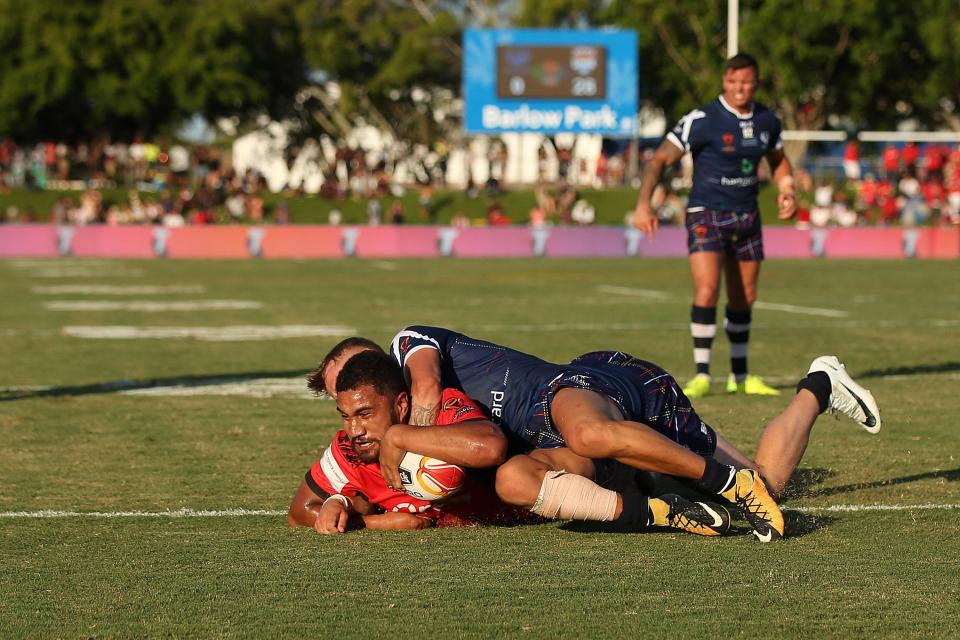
x: 848, y: 397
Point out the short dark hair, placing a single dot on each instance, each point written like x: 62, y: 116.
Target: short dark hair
x: 315, y: 377
x: 742, y: 61
x: 373, y: 368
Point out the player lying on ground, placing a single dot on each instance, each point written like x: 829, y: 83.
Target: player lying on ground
x: 605, y: 406
x: 345, y: 484
x: 372, y: 398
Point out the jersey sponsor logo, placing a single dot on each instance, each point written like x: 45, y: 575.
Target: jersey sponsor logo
x: 747, y: 167
x: 746, y: 130
x: 496, y: 407
x: 404, y: 346
x: 747, y: 181
x: 463, y: 411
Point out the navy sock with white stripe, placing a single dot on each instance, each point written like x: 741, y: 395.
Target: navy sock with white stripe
x: 737, y: 325
x: 703, y: 328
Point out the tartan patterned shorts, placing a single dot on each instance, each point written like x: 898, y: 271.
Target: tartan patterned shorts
x: 728, y: 232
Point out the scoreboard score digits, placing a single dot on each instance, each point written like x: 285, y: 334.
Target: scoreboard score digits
x: 525, y: 71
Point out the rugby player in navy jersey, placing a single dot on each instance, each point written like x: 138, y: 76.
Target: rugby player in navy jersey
x: 346, y: 484
x: 728, y: 138
x: 573, y: 423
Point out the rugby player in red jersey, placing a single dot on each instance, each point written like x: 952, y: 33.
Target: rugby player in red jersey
x: 346, y: 487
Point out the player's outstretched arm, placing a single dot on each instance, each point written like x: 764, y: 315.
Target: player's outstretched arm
x: 422, y: 371
x: 396, y: 521
x: 644, y: 217
x: 305, y: 506
x: 783, y: 177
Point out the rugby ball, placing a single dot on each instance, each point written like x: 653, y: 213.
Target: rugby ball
x: 428, y: 478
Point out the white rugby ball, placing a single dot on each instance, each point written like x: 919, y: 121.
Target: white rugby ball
x: 428, y: 478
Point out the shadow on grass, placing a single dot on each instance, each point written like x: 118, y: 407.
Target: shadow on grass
x: 943, y: 367
x: 113, y: 386
x: 952, y: 475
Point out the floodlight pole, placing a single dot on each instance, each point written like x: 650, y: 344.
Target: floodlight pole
x: 733, y: 26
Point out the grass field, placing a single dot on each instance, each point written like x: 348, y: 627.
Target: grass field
x: 189, y: 447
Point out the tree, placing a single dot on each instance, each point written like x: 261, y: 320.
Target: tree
x: 73, y: 70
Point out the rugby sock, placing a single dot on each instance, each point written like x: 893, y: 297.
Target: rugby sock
x: 737, y: 325
x: 818, y: 383
x: 703, y: 328
x: 637, y: 509
x: 717, y: 477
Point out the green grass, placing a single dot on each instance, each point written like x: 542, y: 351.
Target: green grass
x: 73, y: 445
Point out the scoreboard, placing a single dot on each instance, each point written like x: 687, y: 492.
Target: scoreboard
x: 551, y: 72
x: 550, y: 81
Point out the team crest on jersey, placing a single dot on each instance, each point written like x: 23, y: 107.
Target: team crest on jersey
x: 728, y: 143
x: 404, y: 346
x: 451, y: 403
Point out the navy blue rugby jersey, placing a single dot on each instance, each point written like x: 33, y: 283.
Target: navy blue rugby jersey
x: 504, y: 382
x: 727, y: 147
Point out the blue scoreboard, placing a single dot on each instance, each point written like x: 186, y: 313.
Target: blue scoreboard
x: 549, y: 81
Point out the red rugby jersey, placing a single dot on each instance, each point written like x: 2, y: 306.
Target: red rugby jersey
x: 339, y: 470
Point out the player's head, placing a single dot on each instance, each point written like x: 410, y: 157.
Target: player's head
x: 741, y: 77
x: 371, y: 397
x: 323, y: 379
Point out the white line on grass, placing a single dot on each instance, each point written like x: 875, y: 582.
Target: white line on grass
x: 633, y: 291
x: 173, y: 513
x: 234, y: 513
x: 150, y: 306
x: 231, y: 333
x: 108, y: 290
x: 810, y: 311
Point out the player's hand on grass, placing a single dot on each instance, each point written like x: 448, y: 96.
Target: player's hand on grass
x: 333, y: 518
x: 645, y: 219
x: 786, y: 205
x: 390, y: 456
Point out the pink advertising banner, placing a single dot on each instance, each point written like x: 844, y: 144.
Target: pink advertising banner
x: 28, y: 240
x: 316, y: 241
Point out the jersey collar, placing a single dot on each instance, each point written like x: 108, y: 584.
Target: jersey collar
x: 742, y: 116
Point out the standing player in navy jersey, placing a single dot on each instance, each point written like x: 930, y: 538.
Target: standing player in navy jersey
x: 572, y: 424
x: 728, y: 138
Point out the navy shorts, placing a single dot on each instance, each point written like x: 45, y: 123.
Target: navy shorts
x: 728, y: 232
x: 641, y: 390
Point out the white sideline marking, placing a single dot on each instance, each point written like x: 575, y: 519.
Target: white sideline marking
x: 108, y: 290
x: 173, y: 513
x: 810, y: 311
x: 875, y: 507
x: 234, y: 513
x: 83, y: 272
x: 384, y: 265
x: 255, y: 388
x: 633, y: 291
x: 150, y: 306
x: 231, y: 333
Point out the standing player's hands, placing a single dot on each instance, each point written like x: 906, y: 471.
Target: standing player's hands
x: 786, y: 205
x: 645, y: 219
x: 390, y: 456
x: 332, y: 519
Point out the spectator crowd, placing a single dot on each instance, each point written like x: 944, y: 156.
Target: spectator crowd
x: 174, y: 185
